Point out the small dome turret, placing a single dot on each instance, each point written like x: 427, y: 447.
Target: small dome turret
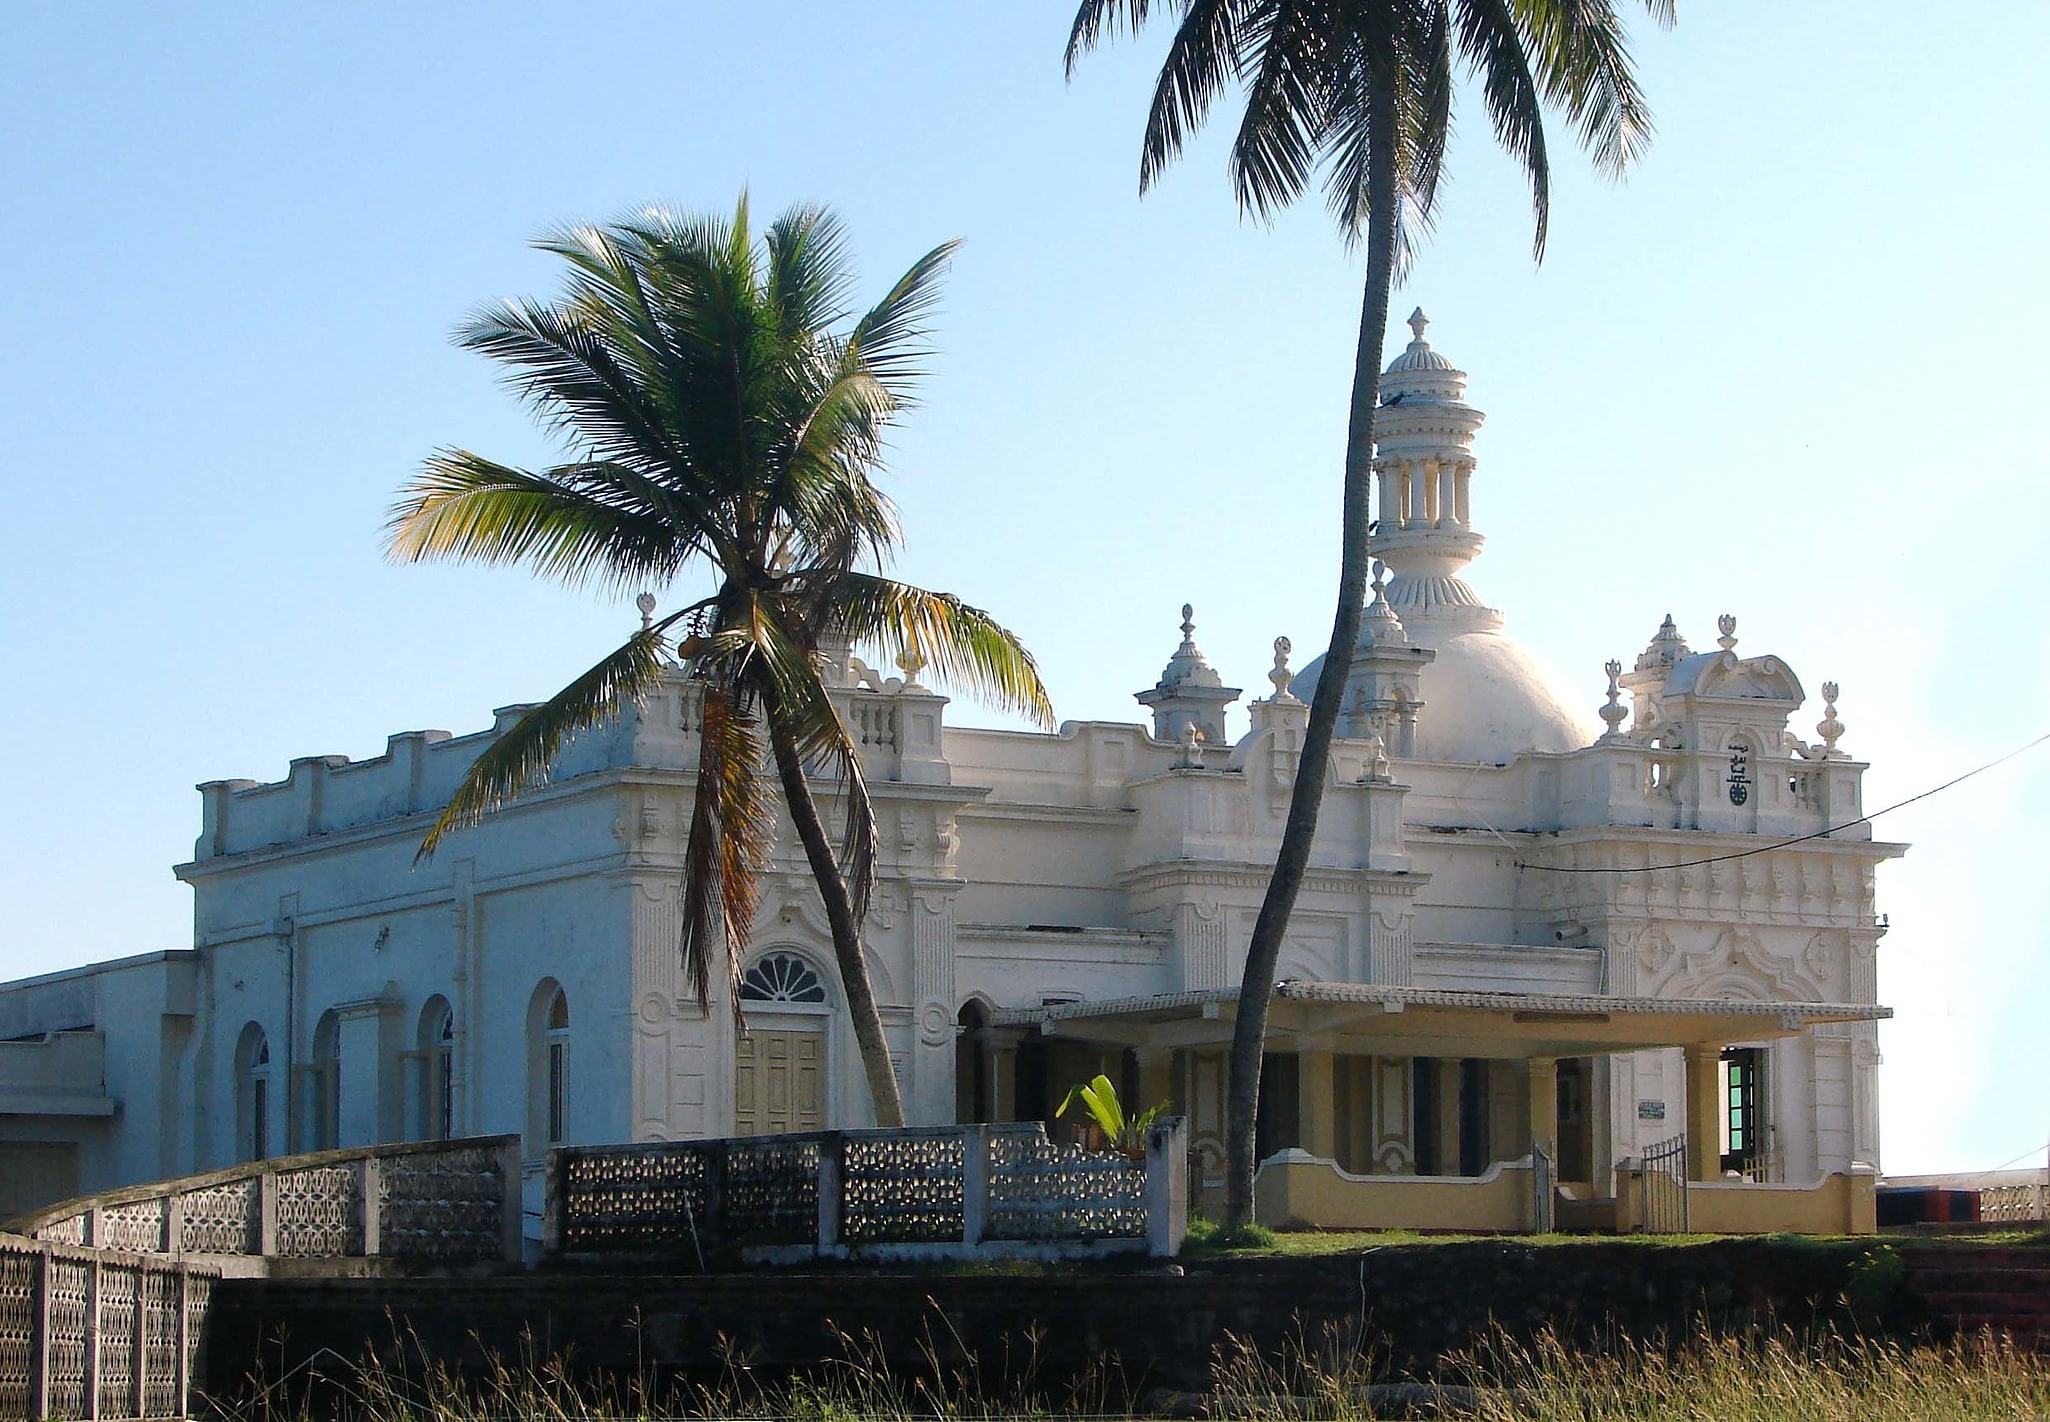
x: 1189, y: 692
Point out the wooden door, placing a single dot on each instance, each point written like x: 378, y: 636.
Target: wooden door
x: 779, y: 1082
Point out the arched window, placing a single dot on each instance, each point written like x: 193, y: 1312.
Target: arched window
x: 252, y: 1094
x: 326, y: 1081
x: 548, y: 1080
x: 781, y: 977
x: 437, y: 1057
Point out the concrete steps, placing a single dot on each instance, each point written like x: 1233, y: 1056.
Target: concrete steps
x: 1998, y: 1290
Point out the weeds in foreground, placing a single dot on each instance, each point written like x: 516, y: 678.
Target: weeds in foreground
x: 1776, y: 1377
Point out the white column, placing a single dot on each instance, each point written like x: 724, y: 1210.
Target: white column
x: 1462, y: 507
x: 1419, y: 490
x: 1391, y: 495
x: 1446, y: 517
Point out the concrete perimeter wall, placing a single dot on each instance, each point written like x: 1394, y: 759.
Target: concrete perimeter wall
x: 1422, y: 1302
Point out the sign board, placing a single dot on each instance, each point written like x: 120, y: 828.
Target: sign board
x: 1651, y: 1110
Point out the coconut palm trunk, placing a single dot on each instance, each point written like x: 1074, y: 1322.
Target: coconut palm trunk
x: 1299, y: 831
x: 1364, y: 92
x: 840, y: 915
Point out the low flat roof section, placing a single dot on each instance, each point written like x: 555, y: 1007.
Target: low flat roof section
x: 1373, y: 1019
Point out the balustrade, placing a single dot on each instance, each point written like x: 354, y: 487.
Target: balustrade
x: 940, y: 1191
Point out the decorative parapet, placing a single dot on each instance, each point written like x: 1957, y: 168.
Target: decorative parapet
x: 923, y: 1192
x: 93, y: 1333
x: 896, y: 727
x: 446, y: 1202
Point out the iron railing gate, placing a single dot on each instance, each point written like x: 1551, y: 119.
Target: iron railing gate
x: 1543, y: 1202
x: 1663, y: 1183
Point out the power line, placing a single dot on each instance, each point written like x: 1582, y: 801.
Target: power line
x: 1798, y: 839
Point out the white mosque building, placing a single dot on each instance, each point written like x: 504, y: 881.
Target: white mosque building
x: 1530, y: 917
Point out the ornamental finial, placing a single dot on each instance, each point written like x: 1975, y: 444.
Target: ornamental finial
x: 1829, y: 728
x: 1727, y: 625
x: 1417, y: 322
x: 911, y: 662
x: 1188, y: 622
x: 1615, y: 713
x: 1281, y: 677
x: 646, y: 603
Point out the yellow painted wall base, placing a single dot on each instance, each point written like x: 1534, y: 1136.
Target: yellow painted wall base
x: 1296, y: 1190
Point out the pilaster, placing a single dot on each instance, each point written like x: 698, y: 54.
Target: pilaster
x: 932, y: 976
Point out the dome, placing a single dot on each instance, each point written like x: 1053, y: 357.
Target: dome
x: 1487, y: 699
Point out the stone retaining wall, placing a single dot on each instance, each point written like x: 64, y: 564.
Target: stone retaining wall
x: 1421, y: 1302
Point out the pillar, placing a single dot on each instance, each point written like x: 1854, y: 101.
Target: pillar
x: 1391, y: 495
x: 1448, y: 1073
x: 1316, y: 1108
x: 1156, y: 1081
x: 1462, y: 505
x: 1446, y: 517
x: 1543, y: 1075
x: 1704, y: 1115
x: 1000, y: 1073
x: 1419, y: 491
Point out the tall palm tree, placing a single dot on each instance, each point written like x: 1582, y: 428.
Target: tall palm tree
x: 1363, y: 90
x: 726, y: 411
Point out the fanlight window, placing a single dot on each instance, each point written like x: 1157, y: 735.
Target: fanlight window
x: 782, y: 977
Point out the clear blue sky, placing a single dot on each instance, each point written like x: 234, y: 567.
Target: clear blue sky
x: 1786, y: 371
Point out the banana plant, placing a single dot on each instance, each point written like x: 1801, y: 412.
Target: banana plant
x: 1100, y: 1100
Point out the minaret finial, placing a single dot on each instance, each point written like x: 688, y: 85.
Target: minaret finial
x: 1417, y: 322
x: 646, y: 603
x: 1188, y: 622
x: 1281, y: 677
x: 1614, y: 714
x: 1727, y: 625
x: 1830, y: 729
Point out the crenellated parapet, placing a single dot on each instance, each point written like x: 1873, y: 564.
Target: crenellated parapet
x: 896, y: 725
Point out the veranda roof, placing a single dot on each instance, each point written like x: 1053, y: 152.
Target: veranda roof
x: 1371, y: 1018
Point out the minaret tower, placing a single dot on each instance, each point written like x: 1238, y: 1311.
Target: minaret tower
x: 1423, y: 459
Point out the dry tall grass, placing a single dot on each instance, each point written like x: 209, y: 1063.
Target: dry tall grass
x: 1776, y: 1378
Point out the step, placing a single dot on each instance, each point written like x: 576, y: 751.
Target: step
x: 1960, y: 1302
x: 1990, y: 1257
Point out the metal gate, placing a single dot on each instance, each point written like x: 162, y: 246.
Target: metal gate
x: 1662, y: 1204
x: 1543, y: 1202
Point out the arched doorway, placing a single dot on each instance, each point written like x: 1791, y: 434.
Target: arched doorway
x: 779, y: 1062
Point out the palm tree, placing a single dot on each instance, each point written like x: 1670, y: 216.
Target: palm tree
x: 1363, y: 89
x: 726, y: 417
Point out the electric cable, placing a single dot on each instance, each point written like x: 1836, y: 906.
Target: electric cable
x: 1798, y: 839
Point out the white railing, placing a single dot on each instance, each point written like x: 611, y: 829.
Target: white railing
x: 2011, y: 1203
x: 944, y: 1191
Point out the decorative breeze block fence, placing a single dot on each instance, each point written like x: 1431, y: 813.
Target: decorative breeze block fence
x: 90, y: 1333
x: 922, y: 1192
x: 448, y: 1202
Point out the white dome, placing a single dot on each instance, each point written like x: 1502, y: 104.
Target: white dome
x: 1487, y: 699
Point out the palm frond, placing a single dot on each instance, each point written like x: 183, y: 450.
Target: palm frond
x: 732, y: 832
x: 521, y: 756
x: 1200, y: 61
x: 964, y: 646
x: 575, y: 523
x: 890, y: 339
x: 1097, y: 18
x: 1288, y: 103
x: 1491, y: 40
x: 1582, y: 61
x: 808, y: 275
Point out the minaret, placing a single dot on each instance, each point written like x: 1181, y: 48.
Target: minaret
x: 1189, y: 692
x: 1423, y: 459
